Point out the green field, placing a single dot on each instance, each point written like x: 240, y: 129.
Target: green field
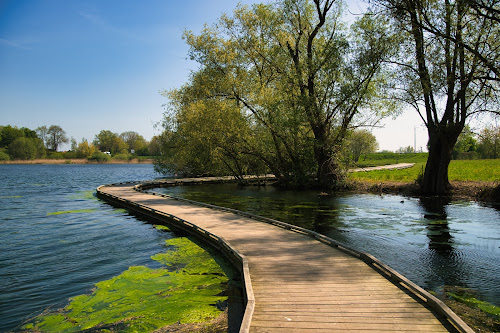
x: 460, y: 170
x: 377, y: 159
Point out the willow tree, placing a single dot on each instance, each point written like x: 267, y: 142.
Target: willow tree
x: 204, y: 136
x: 450, y: 70
x: 300, y: 79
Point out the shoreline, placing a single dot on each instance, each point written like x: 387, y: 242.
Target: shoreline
x: 75, y: 161
x: 482, y: 191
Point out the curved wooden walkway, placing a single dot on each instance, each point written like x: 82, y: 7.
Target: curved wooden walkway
x: 300, y: 284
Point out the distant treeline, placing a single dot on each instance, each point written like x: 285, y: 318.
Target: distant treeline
x: 43, y: 142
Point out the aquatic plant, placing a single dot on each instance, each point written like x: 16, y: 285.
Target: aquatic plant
x: 73, y: 211
x: 143, y: 299
x: 161, y: 227
x: 87, y: 195
x: 468, y: 297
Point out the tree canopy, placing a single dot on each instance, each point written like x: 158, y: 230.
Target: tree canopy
x: 281, y: 85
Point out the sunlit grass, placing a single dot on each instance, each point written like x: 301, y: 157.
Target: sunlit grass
x: 460, y: 170
x: 475, y: 170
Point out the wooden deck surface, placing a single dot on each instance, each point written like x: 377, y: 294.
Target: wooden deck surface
x: 299, y: 283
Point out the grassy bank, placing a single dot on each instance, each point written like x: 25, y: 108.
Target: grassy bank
x: 459, y: 171
x: 470, y: 179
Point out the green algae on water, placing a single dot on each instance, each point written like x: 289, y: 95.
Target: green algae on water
x: 120, y: 211
x: 73, y: 211
x: 161, y: 227
x: 87, y: 195
x: 10, y: 196
x: 143, y: 299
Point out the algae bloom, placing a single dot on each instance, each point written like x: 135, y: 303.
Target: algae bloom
x: 143, y: 299
x: 73, y: 211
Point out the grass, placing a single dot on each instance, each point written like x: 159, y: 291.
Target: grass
x: 459, y: 170
x: 377, y: 159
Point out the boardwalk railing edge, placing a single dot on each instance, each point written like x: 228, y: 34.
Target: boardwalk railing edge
x: 392, y: 275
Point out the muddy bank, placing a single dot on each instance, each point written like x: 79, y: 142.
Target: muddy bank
x: 461, y: 190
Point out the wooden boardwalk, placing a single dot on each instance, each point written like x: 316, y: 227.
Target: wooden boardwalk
x: 295, y: 283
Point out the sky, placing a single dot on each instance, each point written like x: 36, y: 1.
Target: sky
x: 92, y: 65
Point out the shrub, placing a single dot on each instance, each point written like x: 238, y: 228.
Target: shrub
x: 99, y: 157
x: 22, y: 149
x: 122, y: 157
x: 55, y: 155
x: 4, y: 156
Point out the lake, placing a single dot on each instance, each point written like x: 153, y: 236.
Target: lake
x: 57, y: 240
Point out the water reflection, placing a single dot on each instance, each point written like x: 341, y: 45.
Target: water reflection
x: 438, y: 229
x: 445, y: 263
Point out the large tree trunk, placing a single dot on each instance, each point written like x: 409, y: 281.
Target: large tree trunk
x: 435, y: 179
x: 329, y: 174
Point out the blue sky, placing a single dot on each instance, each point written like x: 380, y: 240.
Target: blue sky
x: 91, y: 65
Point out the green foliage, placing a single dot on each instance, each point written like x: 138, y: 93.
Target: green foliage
x: 466, y: 145
x: 55, y: 155
x: 26, y: 149
x: 275, y: 95
x: 142, y: 299
x: 122, y: 156
x: 361, y: 142
x: 109, y: 141
x: 3, y: 155
x: 489, y: 142
x: 135, y: 142
x: 207, y: 140
x: 9, y: 134
x: 85, y: 150
x: 99, y: 157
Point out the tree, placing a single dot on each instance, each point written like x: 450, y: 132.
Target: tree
x: 466, y: 145
x: 362, y: 142
x: 134, y: 140
x: 42, y: 134
x: 207, y: 139
x: 449, y: 70
x: 55, y: 136
x: 109, y: 141
x: 297, y: 79
x: 489, y: 142
x: 85, y: 150
x: 9, y: 134
x: 74, y: 144
x: 154, y: 147
x: 405, y: 150
x: 24, y: 148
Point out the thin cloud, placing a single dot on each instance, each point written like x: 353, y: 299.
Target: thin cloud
x: 103, y: 24
x: 9, y: 43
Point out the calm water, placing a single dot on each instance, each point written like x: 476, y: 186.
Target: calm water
x: 46, y: 258
x: 461, y: 248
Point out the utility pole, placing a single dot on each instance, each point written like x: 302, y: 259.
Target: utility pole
x: 415, y: 139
